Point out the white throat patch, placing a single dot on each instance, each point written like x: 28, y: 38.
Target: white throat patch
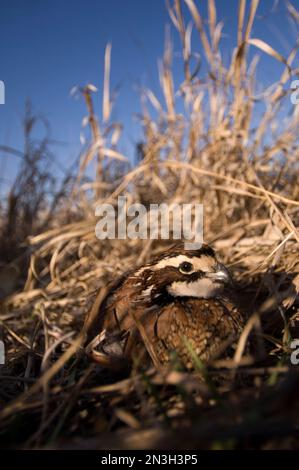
x: 202, y: 288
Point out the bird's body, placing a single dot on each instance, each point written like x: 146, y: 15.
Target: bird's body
x: 169, y: 306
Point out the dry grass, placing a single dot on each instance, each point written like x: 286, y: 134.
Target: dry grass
x: 245, y: 170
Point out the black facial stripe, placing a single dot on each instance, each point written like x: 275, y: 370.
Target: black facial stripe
x: 163, y: 298
x: 180, y: 276
x: 194, y: 276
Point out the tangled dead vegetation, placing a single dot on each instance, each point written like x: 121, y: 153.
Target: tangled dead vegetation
x: 245, y: 171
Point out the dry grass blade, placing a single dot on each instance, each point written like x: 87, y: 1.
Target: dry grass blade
x: 252, y: 12
x: 106, y: 90
x: 268, y: 50
x: 241, y: 15
x: 199, y: 24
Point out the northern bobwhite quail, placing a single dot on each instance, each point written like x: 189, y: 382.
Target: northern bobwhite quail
x: 177, y: 301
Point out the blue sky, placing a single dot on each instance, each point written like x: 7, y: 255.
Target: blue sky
x: 49, y: 46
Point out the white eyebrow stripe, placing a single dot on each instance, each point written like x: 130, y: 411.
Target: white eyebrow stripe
x: 175, y: 261
x: 202, y: 263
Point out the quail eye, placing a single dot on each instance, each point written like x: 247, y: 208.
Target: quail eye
x: 185, y: 267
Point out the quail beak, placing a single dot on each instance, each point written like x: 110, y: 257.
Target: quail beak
x: 221, y: 275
